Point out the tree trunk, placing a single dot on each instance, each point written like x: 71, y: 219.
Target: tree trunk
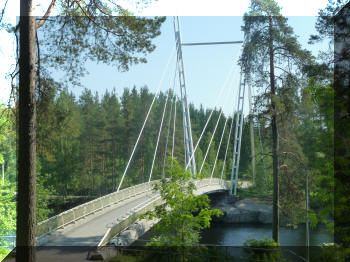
x: 251, y: 125
x: 113, y: 166
x: 26, y: 165
x: 275, y: 208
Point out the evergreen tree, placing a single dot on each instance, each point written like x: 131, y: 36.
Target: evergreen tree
x: 271, y: 56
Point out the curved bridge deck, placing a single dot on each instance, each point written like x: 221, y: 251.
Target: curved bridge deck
x: 96, y: 226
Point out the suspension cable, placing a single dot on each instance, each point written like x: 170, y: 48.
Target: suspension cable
x: 228, y: 139
x: 148, y: 113
x: 174, y: 128
x: 212, y: 136
x: 222, y: 136
x: 159, y: 133
x: 167, y: 136
x: 210, y: 141
x: 218, y: 150
x: 211, y: 113
x: 261, y: 149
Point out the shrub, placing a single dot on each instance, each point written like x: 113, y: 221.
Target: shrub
x: 263, y: 250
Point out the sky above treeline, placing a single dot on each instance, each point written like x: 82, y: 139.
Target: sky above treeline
x: 206, y: 67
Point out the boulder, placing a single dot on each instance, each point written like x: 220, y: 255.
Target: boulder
x: 245, y: 211
x: 133, y: 232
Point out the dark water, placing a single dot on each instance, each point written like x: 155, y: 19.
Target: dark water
x: 237, y: 234
x: 230, y: 238
x: 292, y: 241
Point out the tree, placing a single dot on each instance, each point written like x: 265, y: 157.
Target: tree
x: 26, y: 196
x: 325, y: 20
x: 183, y: 214
x: 26, y: 235
x: 331, y: 75
x: 271, y: 55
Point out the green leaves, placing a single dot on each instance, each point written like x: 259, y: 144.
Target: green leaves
x: 67, y: 42
x: 7, y: 210
x: 184, y: 214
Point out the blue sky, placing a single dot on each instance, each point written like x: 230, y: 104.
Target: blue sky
x: 205, y: 66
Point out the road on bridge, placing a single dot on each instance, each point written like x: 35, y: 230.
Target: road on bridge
x: 90, y: 230
x: 73, y: 242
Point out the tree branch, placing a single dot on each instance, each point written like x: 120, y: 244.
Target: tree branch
x: 93, y: 21
x: 44, y: 18
x: 282, y: 69
x: 38, y: 71
x: 3, y: 11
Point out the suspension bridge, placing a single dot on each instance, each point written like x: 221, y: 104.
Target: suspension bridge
x: 96, y: 222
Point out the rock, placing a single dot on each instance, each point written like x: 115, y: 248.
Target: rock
x: 244, y: 211
x: 133, y: 232
x: 95, y: 255
x: 265, y: 217
x: 102, y: 253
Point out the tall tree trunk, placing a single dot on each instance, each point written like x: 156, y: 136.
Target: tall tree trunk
x: 26, y: 165
x: 251, y: 125
x: 91, y: 167
x: 113, y: 166
x: 275, y: 208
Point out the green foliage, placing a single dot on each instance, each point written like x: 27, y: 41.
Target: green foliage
x: 4, y: 252
x: 334, y: 253
x: 7, y: 210
x: 183, y: 214
x: 254, y: 192
x: 68, y: 41
x: 263, y: 250
x: 325, y: 20
x: 304, y: 113
x: 84, y: 143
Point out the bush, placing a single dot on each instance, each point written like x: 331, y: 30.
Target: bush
x: 334, y: 253
x: 264, y: 250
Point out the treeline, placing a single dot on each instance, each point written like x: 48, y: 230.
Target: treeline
x: 84, y: 143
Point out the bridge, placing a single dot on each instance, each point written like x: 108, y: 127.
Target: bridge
x: 96, y: 222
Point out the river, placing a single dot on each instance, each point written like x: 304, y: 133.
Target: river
x: 237, y: 234
x: 232, y: 236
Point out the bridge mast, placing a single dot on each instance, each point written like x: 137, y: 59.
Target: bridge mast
x: 188, y: 142
x: 238, y: 134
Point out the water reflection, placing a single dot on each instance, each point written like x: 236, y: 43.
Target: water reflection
x: 237, y: 234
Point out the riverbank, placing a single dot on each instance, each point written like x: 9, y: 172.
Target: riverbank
x: 248, y: 210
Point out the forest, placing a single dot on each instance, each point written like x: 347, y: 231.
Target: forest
x: 63, y: 149
x: 84, y: 143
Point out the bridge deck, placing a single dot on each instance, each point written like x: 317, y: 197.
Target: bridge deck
x: 89, y: 231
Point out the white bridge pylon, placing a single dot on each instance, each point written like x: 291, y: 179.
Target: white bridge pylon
x: 189, y: 149
x: 188, y: 141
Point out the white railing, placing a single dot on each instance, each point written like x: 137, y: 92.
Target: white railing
x: 95, y: 205
x: 133, y: 213
x: 71, y: 215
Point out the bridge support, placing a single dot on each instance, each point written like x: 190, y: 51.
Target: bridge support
x: 188, y: 142
x: 238, y: 135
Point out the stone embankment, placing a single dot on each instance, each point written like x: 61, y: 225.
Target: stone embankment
x: 247, y: 211
x: 133, y: 232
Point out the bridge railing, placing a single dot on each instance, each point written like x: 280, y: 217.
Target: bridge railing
x: 133, y: 214
x: 95, y: 205
x: 71, y: 215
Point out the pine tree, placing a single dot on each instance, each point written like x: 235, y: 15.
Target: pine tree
x: 271, y: 55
